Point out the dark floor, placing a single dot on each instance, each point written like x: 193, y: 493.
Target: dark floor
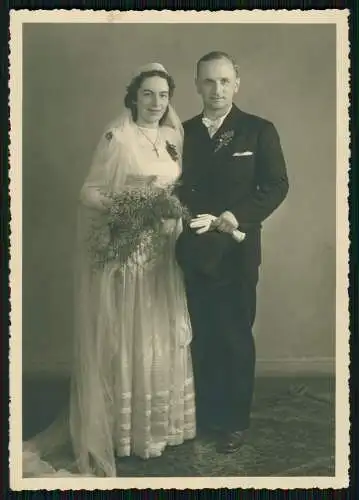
x: 292, y: 432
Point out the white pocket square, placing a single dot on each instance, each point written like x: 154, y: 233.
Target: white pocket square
x: 243, y: 153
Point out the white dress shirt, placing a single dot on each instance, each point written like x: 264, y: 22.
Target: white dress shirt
x: 214, y: 124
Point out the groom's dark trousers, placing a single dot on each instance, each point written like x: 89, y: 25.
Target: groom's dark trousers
x: 240, y: 169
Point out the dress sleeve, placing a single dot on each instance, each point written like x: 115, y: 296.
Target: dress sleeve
x: 106, y: 165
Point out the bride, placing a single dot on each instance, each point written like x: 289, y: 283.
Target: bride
x: 132, y: 383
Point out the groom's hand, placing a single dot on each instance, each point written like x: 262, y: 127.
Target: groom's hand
x: 226, y: 222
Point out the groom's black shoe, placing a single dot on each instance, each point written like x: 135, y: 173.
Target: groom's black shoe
x: 231, y: 442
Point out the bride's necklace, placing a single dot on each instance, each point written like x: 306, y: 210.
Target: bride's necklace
x: 154, y: 143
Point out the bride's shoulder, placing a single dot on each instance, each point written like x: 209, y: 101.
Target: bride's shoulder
x: 169, y: 134
x: 112, y: 134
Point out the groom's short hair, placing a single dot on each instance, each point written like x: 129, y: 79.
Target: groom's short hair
x: 217, y: 54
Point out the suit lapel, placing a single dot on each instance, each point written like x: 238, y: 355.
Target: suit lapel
x: 230, y: 123
x: 210, y: 150
x: 198, y: 145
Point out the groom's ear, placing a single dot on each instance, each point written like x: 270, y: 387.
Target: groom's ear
x: 238, y: 80
x: 237, y: 84
x: 196, y: 83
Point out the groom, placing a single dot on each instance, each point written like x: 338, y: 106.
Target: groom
x: 234, y: 177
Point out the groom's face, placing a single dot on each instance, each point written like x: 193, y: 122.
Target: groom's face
x: 217, y: 82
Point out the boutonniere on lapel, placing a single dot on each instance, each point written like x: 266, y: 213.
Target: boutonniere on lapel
x: 172, y: 151
x: 224, y: 139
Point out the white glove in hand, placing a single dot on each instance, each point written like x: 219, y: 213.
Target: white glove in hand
x: 203, y: 223
x: 226, y: 222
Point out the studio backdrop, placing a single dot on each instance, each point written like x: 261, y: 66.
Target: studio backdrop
x: 74, y: 80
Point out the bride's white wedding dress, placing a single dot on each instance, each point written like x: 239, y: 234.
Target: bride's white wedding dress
x: 132, y: 384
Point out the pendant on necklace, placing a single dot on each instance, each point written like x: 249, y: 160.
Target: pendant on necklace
x: 154, y: 147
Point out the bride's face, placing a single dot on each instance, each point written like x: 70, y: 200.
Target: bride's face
x: 152, y: 100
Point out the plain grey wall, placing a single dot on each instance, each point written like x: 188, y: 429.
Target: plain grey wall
x: 74, y: 78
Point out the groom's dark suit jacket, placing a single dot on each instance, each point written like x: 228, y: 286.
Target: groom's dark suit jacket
x: 241, y: 169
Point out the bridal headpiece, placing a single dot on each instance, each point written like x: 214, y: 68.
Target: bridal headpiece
x: 149, y: 67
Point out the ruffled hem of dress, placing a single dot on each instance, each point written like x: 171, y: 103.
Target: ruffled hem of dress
x: 33, y: 466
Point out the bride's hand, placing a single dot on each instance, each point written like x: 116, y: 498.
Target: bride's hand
x: 105, y: 203
x: 94, y: 198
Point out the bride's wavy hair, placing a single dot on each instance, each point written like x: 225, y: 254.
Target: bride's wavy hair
x: 133, y: 87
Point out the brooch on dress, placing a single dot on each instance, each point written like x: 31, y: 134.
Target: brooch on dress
x: 109, y: 135
x: 172, y: 151
x: 224, y: 140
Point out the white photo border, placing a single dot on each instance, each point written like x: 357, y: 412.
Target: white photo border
x: 330, y: 16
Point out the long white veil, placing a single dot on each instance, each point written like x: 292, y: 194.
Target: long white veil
x: 84, y: 429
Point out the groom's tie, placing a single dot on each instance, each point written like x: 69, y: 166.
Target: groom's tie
x: 212, y: 125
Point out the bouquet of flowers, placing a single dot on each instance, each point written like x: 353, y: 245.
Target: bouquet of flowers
x: 134, y: 222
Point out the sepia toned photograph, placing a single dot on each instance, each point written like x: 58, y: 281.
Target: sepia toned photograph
x: 179, y: 249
